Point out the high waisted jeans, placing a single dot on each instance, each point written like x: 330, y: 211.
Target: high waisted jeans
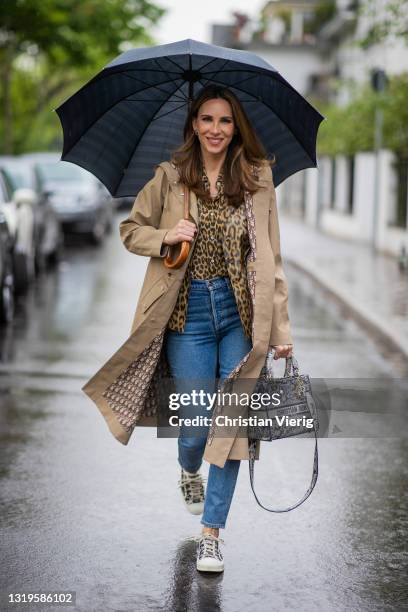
x: 212, y: 344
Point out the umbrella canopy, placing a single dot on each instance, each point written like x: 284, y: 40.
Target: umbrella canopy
x: 131, y: 115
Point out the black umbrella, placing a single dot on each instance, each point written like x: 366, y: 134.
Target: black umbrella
x: 130, y: 116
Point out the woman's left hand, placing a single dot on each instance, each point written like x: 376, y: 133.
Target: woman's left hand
x: 283, y: 350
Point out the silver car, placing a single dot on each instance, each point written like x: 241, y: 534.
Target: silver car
x: 82, y: 203
x: 48, y: 238
x: 18, y: 209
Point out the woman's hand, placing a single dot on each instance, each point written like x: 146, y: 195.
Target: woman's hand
x: 283, y: 350
x: 183, y: 231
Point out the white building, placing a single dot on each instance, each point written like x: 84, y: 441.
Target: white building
x: 353, y: 196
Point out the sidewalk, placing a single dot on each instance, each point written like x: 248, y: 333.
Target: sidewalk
x: 370, y: 285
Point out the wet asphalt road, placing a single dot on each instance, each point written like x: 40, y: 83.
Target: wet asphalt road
x: 80, y: 512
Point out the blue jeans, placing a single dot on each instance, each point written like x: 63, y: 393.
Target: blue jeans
x: 212, y: 344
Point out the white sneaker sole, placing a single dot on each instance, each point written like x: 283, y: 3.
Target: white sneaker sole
x: 197, y: 508
x: 208, y: 566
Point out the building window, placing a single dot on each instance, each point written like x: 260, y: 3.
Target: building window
x: 350, y: 191
x: 401, y: 168
x: 333, y: 183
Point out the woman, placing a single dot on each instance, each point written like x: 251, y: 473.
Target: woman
x: 218, y: 314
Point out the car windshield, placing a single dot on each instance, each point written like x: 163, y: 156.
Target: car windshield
x: 56, y: 172
x: 19, y: 176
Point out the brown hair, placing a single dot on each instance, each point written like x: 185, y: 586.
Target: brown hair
x: 244, y: 152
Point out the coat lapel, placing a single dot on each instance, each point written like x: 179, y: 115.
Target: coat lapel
x: 194, y: 208
x: 265, y: 269
x: 178, y: 188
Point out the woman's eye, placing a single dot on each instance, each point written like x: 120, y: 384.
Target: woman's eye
x: 224, y: 120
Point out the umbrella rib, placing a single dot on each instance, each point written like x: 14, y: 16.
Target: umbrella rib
x: 156, y: 61
x: 219, y: 70
x: 239, y: 82
x: 149, y: 86
x: 140, y: 138
x: 208, y: 63
x: 280, y: 118
x: 237, y: 69
x: 163, y: 70
x: 179, y: 99
x: 255, y: 74
x: 173, y: 110
x: 181, y: 69
x: 252, y: 76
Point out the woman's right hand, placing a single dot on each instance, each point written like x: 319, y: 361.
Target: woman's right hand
x: 183, y: 231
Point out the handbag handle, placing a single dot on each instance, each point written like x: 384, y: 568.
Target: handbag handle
x: 291, y: 365
x: 175, y: 259
x: 315, y: 473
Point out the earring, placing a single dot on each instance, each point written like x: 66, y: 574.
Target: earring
x: 196, y: 132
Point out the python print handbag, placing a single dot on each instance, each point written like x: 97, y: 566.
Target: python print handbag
x: 294, y: 414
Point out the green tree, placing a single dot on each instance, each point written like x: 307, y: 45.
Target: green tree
x: 323, y: 11
x: 350, y: 129
x: 49, y: 47
x: 392, y: 21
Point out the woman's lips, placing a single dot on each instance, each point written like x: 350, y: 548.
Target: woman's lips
x: 214, y: 141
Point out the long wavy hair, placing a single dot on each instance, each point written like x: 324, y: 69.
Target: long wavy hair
x: 244, y: 154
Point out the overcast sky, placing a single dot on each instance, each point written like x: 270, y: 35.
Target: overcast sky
x: 192, y: 19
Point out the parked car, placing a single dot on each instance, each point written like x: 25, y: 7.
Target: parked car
x: 81, y: 201
x: 48, y: 236
x: 18, y: 208
x: 6, y: 267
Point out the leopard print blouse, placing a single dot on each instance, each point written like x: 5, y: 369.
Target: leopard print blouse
x: 221, y: 247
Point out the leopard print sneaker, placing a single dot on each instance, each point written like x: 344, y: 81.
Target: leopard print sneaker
x: 192, y: 490
x: 209, y: 557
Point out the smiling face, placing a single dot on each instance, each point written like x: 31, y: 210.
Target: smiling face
x: 215, y: 126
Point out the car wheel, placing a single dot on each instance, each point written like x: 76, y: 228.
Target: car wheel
x: 24, y: 270
x: 40, y: 262
x: 7, y: 298
x: 56, y: 255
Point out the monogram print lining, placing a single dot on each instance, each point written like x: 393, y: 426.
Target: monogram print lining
x: 135, y: 392
x: 221, y: 245
x: 129, y: 395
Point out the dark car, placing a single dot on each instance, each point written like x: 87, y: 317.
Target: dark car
x: 81, y: 201
x: 6, y: 266
x: 48, y: 236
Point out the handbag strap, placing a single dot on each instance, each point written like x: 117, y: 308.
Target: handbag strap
x: 252, y: 447
x: 186, y: 202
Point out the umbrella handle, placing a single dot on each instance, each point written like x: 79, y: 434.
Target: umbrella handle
x: 178, y: 253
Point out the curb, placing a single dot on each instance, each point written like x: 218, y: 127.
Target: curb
x: 369, y: 321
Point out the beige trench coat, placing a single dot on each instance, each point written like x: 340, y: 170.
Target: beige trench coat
x: 126, y: 387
